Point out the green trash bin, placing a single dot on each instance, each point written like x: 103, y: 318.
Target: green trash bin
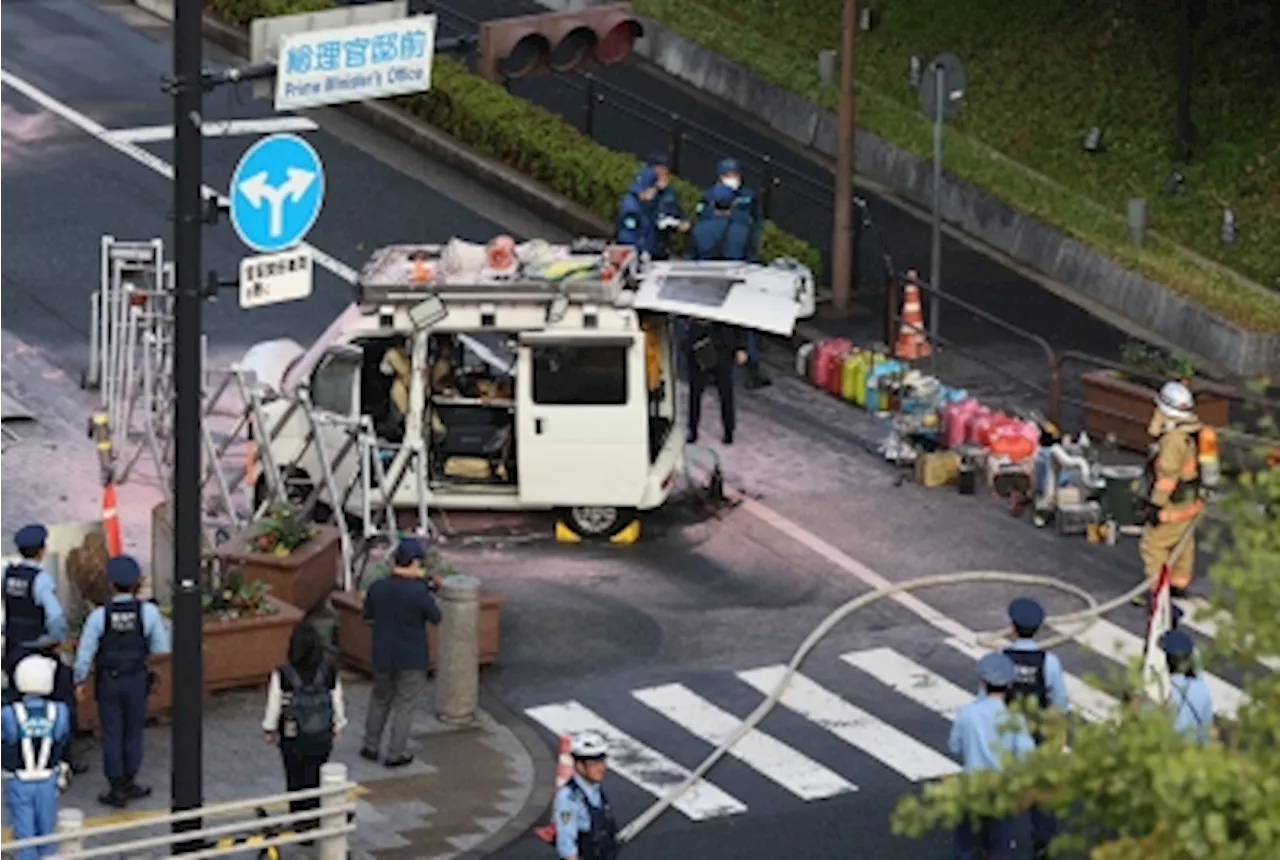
x: 1122, y: 494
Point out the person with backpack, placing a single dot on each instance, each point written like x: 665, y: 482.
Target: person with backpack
x: 1038, y: 678
x: 305, y: 714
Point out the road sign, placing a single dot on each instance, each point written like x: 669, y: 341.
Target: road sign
x: 274, y: 278
x: 277, y: 190
x: 351, y: 64
x: 952, y: 79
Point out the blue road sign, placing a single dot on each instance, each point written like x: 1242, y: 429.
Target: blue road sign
x: 277, y: 190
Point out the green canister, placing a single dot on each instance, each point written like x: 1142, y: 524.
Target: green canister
x: 1122, y: 494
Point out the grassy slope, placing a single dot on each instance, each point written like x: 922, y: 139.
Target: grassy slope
x: 1041, y: 73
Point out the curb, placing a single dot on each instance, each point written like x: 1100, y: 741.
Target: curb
x: 544, y: 774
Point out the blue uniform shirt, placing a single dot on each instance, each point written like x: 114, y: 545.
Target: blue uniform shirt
x: 1191, y: 706
x: 44, y: 592
x: 978, y: 738
x: 152, y: 627
x: 637, y: 223
x: 36, y: 706
x: 571, y: 815
x: 1054, y: 680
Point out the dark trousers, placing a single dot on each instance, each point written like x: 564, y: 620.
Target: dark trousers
x: 301, y: 772
x: 122, y: 710
x: 721, y: 376
x: 991, y: 840
x: 1044, y: 826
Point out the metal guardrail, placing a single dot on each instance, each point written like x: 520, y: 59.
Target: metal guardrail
x: 336, y: 816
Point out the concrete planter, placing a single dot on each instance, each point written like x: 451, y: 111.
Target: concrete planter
x: 302, y: 579
x: 1132, y: 403
x: 237, y: 653
x: 355, y: 637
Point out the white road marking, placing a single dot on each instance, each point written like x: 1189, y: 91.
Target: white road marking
x: 854, y: 726
x: 1120, y: 645
x: 797, y: 773
x: 1199, y: 616
x: 216, y: 128
x: 637, y: 763
x: 911, y: 680
x: 1092, y: 704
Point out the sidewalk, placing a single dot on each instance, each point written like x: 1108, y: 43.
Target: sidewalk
x: 470, y: 791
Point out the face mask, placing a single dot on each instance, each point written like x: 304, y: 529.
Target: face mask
x: 733, y: 182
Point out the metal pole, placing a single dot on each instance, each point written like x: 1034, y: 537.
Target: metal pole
x: 187, y: 735
x: 1183, y: 148
x: 842, y: 240
x: 935, y: 257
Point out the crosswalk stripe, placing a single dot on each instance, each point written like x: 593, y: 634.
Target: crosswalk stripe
x: 911, y: 680
x: 854, y: 726
x: 637, y: 763
x: 1094, y: 705
x: 798, y: 773
x: 1116, y: 643
x: 1199, y: 616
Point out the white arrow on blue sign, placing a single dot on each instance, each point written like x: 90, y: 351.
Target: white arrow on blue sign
x: 277, y: 190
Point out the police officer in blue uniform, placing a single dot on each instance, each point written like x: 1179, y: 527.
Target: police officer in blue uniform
x: 1038, y: 678
x: 33, y: 617
x: 33, y: 729
x: 585, y: 826
x: 637, y: 222
x: 978, y: 736
x: 746, y: 210
x: 1189, y: 699
x: 116, y: 643
x: 669, y: 214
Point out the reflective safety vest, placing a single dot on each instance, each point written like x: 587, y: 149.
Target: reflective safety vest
x: 601, y: 841
x: 23, y: 617
x: 35, y: 755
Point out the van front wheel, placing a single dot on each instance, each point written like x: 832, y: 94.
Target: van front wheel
x: 591, y: 521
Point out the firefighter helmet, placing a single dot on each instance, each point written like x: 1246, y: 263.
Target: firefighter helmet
x: 1176, y: 401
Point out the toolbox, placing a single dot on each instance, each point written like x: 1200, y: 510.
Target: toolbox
x: 1075, y: 519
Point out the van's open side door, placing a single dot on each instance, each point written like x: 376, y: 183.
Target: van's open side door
x: 581, y: 419
x: 764, y: 298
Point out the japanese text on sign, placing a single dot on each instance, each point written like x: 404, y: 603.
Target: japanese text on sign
x: 355, y: 63
x: 274, y: 278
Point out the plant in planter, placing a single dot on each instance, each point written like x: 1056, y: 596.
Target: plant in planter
x: 1119, y: 405
x: 228, y: 596
x: 297, y: 559
x: 355, y: 639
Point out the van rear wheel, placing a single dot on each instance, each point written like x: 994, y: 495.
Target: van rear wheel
x: 591, y: 521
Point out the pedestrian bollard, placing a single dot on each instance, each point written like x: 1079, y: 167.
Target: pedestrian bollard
x: 333, y: 776
x: 70, y: 821
x: 458, y: 663
x: 1136, y: 220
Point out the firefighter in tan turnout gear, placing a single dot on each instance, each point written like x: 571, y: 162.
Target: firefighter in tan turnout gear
x: 1185, y: 460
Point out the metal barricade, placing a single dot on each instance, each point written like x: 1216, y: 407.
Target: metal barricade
x: 336, y: 815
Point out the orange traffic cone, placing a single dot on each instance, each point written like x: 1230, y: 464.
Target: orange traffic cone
x: 110, y: 522
x: 912, y: 342
x: 564, y: 772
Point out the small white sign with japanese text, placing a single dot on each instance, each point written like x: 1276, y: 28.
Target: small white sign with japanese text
x: 273, y: 278
x: 352, y: 64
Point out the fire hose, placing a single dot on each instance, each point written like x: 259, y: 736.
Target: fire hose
x: 1084, y: 619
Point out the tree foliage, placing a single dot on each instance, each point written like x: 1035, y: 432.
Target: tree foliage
x: 1130, y: 788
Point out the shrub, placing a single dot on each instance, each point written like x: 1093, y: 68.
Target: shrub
x: 528, y: 138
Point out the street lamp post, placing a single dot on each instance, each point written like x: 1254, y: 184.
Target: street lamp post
x: 842, y: 242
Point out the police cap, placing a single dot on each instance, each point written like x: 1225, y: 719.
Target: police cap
x: 728, y: 165
x: 123, y: 571
x: 644, y: 180
x: 657, y: 159
x: 996, y: 669
x: 31, y: 537
x: 722, y: 195
x: 1175, y: 643
x: 1026, y: 614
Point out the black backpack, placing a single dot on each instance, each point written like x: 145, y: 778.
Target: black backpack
x: 306, y: 716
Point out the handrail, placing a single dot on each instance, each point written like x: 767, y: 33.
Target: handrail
x: 336, y: 815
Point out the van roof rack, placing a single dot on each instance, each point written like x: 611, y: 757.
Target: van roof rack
x: 584, y: 270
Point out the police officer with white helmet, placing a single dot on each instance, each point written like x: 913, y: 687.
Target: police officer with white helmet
x: 585, y: 826
x: 34, y: 729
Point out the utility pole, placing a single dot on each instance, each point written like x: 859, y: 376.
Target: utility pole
x: 188, y: 212
x: 842, y: 241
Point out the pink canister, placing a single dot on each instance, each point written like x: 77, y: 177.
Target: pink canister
x: 955, y: 420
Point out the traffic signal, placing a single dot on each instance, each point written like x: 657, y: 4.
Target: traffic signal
x: 557, y: 42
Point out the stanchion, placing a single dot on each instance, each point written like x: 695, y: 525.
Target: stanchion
x: 458, y: 663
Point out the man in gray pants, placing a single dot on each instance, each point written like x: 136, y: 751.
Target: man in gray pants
x: 399, y: 607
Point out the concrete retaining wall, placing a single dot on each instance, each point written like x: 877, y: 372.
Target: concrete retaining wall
x: 1025, y: 239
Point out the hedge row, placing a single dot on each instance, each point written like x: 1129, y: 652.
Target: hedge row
x: 538, y: 143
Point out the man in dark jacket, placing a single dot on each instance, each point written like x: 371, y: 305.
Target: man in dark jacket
x: 670, y: 214
x: 711, y: 351
x: 399, y: 607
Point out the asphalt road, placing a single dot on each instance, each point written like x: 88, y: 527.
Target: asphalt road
x: 645, y: 637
